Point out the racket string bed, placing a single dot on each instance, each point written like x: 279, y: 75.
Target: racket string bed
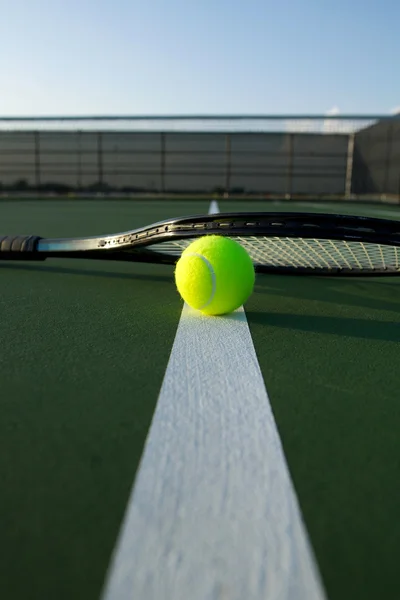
x: 311, y: 254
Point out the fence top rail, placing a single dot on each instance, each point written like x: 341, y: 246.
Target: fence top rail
x: 200, y: 117
x: 255, y: 123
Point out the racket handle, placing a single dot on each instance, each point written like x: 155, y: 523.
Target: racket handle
x: 19, y: 247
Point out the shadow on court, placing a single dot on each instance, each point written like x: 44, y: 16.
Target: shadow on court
x: 82, y: 271
x: 355, y: 328
x: 378, y: 294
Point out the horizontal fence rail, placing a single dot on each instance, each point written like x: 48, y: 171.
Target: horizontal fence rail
x: 341, y: 156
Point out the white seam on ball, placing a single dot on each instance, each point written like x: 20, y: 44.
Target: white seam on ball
x: 213, y: 278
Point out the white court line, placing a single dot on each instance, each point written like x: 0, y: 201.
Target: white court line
x: 213, y: 514
x: 214, y: 208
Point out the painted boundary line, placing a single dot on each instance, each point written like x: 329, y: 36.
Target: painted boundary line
x: 213, y: 514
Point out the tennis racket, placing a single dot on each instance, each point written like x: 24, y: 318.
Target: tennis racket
x: 294, y: 243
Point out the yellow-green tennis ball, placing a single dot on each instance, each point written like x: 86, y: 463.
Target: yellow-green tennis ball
x: 215, y: 275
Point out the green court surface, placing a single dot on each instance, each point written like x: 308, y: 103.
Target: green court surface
x: 84, y: 351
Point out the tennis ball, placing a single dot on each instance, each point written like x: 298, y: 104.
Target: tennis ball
x: 215, y: 275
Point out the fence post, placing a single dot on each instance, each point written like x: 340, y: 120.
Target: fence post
x: 37, y: 158
x: 100, y: 157
x: 79, y: 161
x: 349, y: 166
x: 227, y: 163
x: 162, y: 163
x: 289, y: 185
x: 388, y: 158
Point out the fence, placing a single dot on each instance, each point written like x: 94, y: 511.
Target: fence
x: 234, y: 155
x: 376, y: 159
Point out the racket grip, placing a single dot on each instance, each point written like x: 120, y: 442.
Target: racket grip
x: 19, y: 247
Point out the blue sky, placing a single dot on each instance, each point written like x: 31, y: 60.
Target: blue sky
x: 199, y: 56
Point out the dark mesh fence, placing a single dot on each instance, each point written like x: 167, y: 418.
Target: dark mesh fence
x: 234, y: 155
x: 376, y: 164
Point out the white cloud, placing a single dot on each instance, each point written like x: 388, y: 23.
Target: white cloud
x: 316, y: 125
x: 332, y: 125
x: 396, y: 110
x: 312, y: 125
x: 332, y: 112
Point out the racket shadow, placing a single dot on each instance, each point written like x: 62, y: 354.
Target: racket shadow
x: 48, y: 269
x: 388, y: 331
x: 378, y: 295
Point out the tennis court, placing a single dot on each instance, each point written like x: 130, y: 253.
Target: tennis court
x: 85, y: 351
